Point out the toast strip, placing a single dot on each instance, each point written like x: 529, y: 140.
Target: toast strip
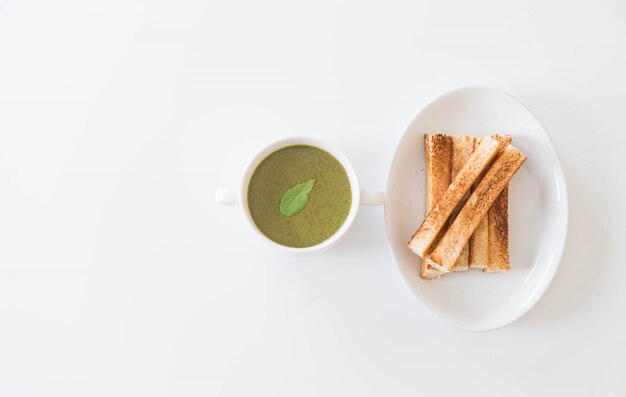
x: 439, y: 214
x: 498, y: 221
x: 486, y: 192
x: 479, y: 245
x: 463, y: 147
x: 438, y: 153
x: 479, y: 242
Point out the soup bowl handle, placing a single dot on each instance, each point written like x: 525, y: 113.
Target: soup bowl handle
x: 372, y: 198
x: 227, y: 197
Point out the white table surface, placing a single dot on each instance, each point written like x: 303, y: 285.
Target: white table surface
x: 120, y: 276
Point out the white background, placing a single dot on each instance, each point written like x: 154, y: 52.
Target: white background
x: 120, y: 276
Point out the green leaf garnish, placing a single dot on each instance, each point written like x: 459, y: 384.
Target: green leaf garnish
x: 295, y: 198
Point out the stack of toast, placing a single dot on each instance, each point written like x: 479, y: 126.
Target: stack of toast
x: 466, y: 225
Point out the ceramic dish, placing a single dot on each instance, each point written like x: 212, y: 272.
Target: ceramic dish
x: 360, y: 197
x: 537, y: 211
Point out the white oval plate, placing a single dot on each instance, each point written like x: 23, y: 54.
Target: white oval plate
x: 474, y: 300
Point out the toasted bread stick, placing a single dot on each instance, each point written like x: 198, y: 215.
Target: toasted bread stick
x: 495, y: 180
x: 498, y: 222
x: 438, y: 153
x: 479, y: 242
x: 479, y: 245
x: 439, y: 214
x: 463, y: 147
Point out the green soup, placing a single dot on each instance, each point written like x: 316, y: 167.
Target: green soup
x: 328, y: 204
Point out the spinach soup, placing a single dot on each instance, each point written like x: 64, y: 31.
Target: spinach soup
x: 299, y: 196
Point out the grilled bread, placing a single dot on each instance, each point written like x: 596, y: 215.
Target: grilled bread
x: 498, y: 225
x: 479, y: 242
x: 479, y: 245
x: 449, y: 248
x: 437, y: 217
x: 463, y: 147
x: 438, y: 153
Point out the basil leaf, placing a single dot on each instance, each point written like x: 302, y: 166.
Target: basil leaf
x: 295, y: 198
